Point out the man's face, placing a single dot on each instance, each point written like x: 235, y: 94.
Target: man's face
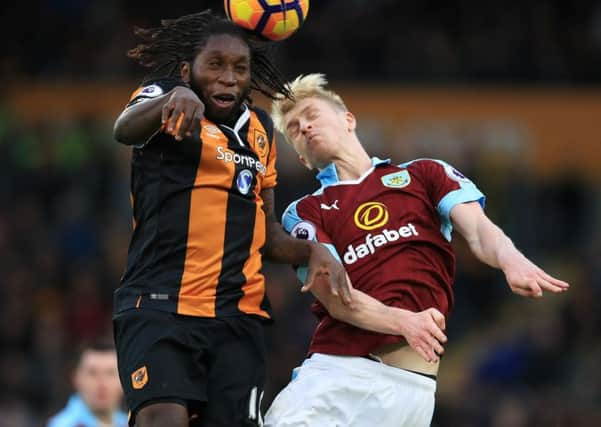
x: 96, y: 379
x: 221, y: 76
x: 316, y: 129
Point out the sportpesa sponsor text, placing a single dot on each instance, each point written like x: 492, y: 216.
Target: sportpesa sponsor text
x: 240, y: 159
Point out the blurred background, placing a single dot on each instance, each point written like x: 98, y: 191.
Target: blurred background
x: 508, y: 92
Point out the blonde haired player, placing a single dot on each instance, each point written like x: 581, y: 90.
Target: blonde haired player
x: 390, y: 225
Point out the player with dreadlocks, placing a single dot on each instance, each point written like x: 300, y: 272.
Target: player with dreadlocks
x: 190, y: 312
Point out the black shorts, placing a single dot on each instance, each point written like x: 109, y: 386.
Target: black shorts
x: 215, y: 367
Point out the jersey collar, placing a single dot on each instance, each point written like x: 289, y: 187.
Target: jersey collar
x: 329, y: 175
x: 242, y: 120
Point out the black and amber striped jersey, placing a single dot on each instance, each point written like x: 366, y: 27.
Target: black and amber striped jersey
x: 199, y: 226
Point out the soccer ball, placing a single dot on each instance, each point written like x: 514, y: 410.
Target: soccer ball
x: 271, y: 19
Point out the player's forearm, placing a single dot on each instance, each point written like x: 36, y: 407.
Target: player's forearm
x: 139, y: 122
x: 492, y: 246
x: 282, y: 248
x: 367, y: 313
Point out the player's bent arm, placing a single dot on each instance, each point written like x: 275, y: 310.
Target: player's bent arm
x: 178, y: 109
x: 368, y: 313
x: 486, y: 241
x: 491, y: 246
x: 423, y: 331
x: 139, y: 121
x: 281, y: 247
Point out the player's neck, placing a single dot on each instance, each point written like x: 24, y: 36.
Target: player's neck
x: 352, y: 165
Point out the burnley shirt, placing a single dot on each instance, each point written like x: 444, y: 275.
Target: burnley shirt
x: 391, y: 229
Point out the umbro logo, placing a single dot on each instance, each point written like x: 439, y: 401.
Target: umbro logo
x: 212, y: 131
x: 331, y: 206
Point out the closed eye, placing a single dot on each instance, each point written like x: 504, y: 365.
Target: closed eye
x: 292, y: 129
x: 312, y: 114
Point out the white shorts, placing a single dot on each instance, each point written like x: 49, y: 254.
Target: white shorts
x: 344, y: 391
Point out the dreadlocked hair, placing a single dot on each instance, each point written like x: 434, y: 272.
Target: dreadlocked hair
x: 181, y: 39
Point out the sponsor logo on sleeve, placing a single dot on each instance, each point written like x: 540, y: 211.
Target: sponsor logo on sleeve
x: 397, y: 180
x: 212, y: 131
x: 454, y: 174
x: 151, y: 91
x: 304, y: 230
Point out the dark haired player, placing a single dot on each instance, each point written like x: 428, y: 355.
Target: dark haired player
x: 190, y: 313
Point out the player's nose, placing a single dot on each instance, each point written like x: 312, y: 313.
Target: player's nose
x: 306, y: 127
x: 227, y: 77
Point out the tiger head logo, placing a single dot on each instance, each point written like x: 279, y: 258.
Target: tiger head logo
x: 139, y: 378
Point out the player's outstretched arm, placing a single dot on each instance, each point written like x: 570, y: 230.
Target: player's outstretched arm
x: 281, y: 247
x: 491, y: 246
x: 423, y: 331
x: 177, y: 112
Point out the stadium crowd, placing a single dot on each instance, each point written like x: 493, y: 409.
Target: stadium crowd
x: 464, y: 41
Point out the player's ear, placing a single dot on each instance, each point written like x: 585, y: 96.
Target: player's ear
x: 351, y: 121
x: 185, y: 71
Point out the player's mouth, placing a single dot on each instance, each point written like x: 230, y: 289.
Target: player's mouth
x: 224, y: 100
x: 311, y: 139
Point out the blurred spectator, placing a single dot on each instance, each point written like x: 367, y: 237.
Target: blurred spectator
x: 453, y: 42
x: 98, y: 391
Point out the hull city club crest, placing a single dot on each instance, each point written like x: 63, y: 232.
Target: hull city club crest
x: 139, y: 378
x: 260, y: 143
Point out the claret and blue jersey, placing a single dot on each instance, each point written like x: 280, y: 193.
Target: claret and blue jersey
x: 391, y: 229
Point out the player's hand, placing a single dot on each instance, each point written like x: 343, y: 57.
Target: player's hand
x: 182, y: 113
x: 526, y: 279
x: 322, y: 265
x: 423, y: 331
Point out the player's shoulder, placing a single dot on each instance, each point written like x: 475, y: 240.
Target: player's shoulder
x: 291, y: 209
x: 75, y: 413
x: 302, y: 204
x: 261, y: 113
x: 165, y: 83
x: 121, y: 418
x: 153, y: 88
x: 63, y: 418
x: 436, y: 169
x: 300, y: 217
x: 263, y: 117
x: 430, y: 168
x: 423, y: 162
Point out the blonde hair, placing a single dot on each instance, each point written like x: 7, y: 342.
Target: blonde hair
x: 308, y: 86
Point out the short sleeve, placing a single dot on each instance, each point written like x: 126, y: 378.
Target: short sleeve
x: 446, y: 188
x: 299, y: 220
x: 153, y: 89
